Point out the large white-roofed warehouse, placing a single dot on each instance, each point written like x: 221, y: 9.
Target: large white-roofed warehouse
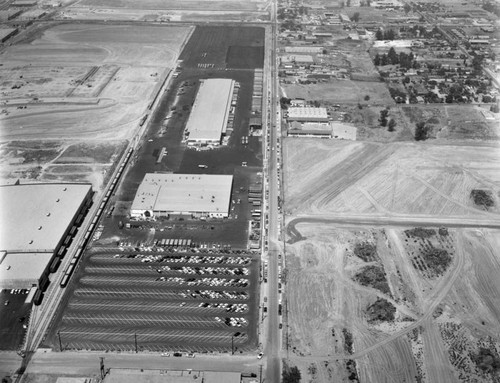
x: 37, y: 224
x: 197, y: 195
x: 307, y: 114
x: 210, y: 113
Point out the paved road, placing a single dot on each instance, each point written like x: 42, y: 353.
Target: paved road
x: 273, y: 344
x: 87, y: 363
x: 392, y: 220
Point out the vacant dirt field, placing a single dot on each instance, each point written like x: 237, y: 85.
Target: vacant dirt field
x: 154, y: 10
x: 85, y: 80
x: 440, y: 321
x: 88, y: 161
x: 195, y: 5
x: 325, y: 177
x: 341, y: 92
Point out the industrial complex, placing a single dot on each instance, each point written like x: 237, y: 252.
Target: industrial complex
x: 197, y: 195
x: 38, y: 224
x: 209, y: 116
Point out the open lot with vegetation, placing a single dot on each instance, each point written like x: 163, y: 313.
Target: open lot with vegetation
x: 391, y: 301
x: 427, y: 327
x: 341, y: 91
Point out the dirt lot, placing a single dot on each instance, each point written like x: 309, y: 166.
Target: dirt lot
x: 76, y: 81
x: 391, y: 179
x: 154, y: 10
x: 40, y: 161
x: 439, y: 323
x: 391, y: 303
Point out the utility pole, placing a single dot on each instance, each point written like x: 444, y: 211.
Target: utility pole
x: 135, y: 341
x: 60, y: 343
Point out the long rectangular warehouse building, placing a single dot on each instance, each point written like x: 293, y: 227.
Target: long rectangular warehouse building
x: 209, y: 115
x: 197, y: 195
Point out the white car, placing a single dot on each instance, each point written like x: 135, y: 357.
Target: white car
x: 261, y: 354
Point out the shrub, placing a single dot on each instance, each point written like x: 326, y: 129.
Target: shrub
x: 366, y: 251
x: 482, y: 198
x: 381, y: 310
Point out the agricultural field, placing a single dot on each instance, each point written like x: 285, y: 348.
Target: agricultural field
x: 161, y: 301
x: 366, y: 304
x: 396, y: 180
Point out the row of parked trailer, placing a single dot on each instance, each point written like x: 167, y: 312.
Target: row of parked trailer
x: 71, y: 268
x: 174, y: 242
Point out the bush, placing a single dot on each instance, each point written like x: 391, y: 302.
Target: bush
x: 420, y: 232
x: 381, y: 310
x: 291, y: 374
x: 366, y: 251
x: 373, y: 276
x: 486, y: 360
x: 482, y: 198
x: 437, y: 260
x: 422, y: 131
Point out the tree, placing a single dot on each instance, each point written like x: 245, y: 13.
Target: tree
x: 384, y: 60
x: 376, y: 60
x: 406, y: 80
x: 379, y: 35
x: 393, y: 56
x: 407, y: 8
x: 348, y: 3
x: 383, y: 117
x: 367, y: 98
x: 421, y: 131
x: 355, y: 17
x: 390, y: 35
x: 392, y: 125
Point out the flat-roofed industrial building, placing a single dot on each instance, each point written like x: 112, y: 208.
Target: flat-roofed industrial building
x: 196, y: 195
x: 38, y: 222
x: 307, y: 114
x: 209, y: 116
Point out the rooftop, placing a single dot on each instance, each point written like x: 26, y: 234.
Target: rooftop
x: 184, y: 193
x: 307, y: 112
x: 14, y: 266
x: 35, y: 216
x: 213, y: 99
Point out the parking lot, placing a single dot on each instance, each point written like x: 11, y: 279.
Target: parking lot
x: 14, y: 317
x: 190, y: 300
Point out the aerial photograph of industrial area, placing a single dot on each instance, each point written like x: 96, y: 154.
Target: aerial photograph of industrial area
x: 249, y: 191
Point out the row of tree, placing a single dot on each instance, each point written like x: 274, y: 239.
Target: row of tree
x: 392, y: 58
x: 385, y: 35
